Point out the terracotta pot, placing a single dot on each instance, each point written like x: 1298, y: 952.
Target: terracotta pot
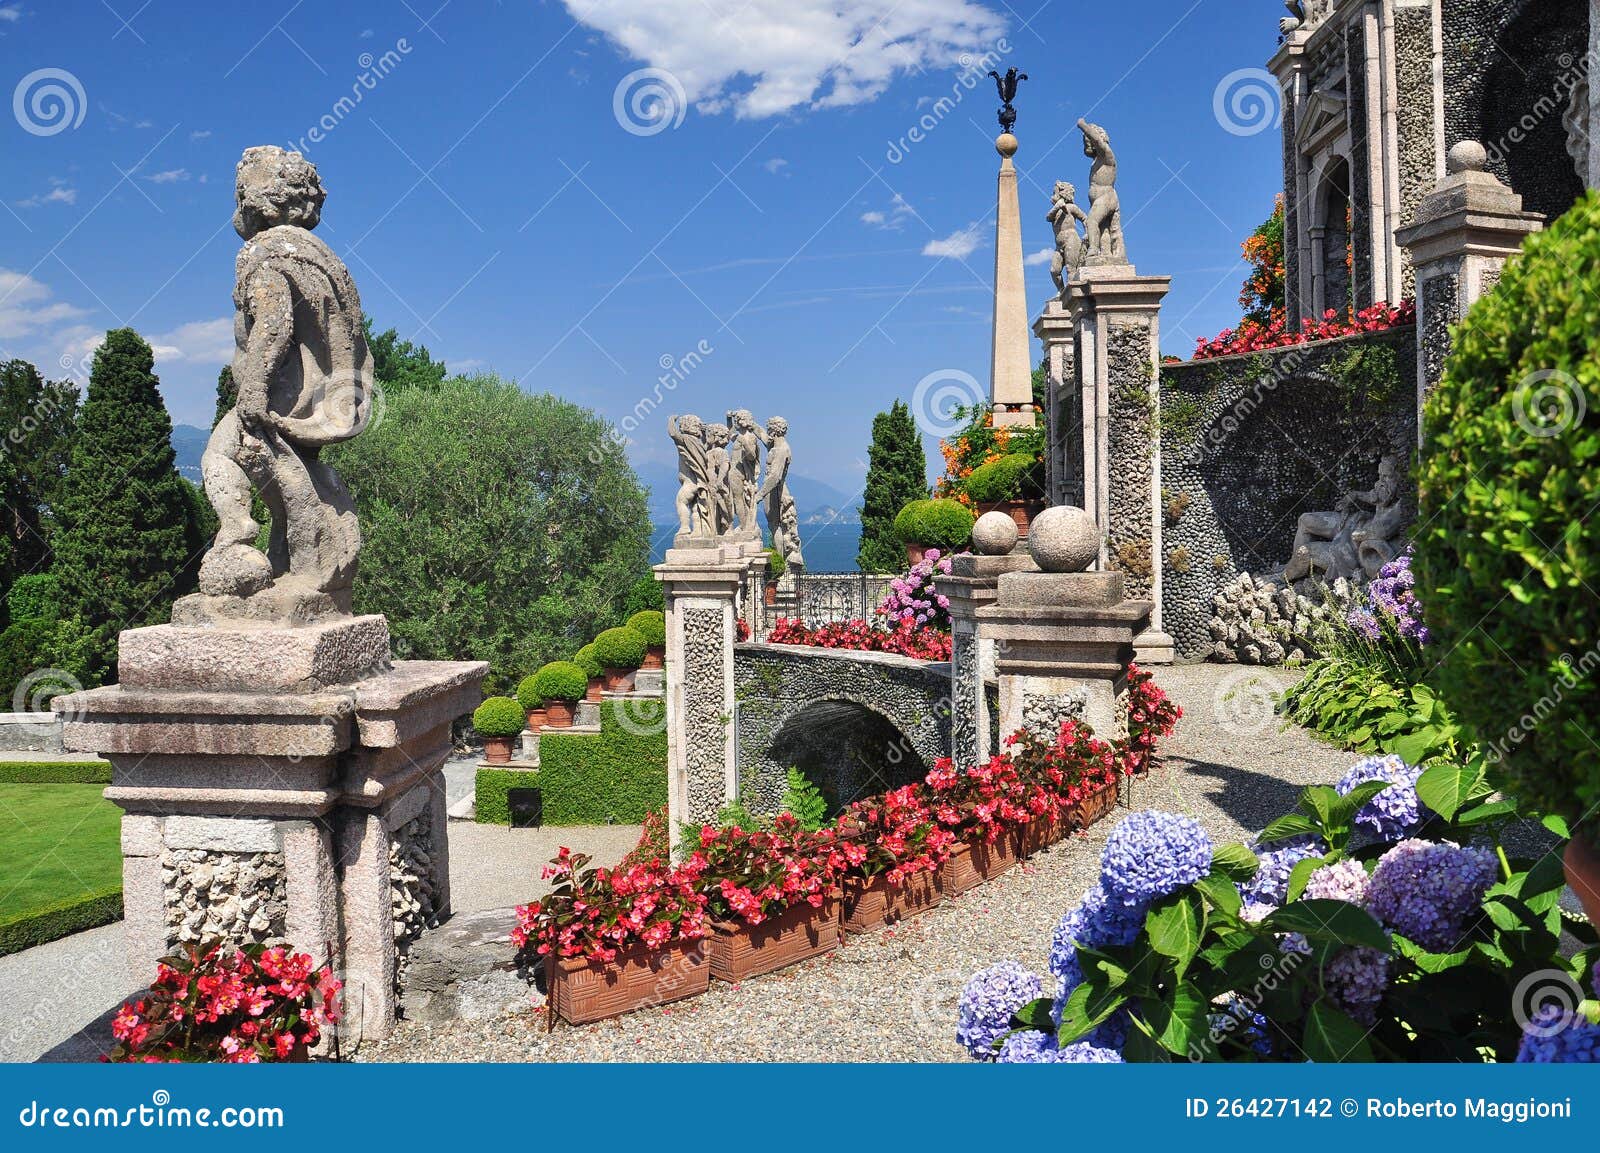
x: 655, y: 657
x: 1020, y: 511
x: 1096, y: 806
x: 973, y: 863
x: 619, y: 680
x: 797, y: 934
x: 769, y: 594
x: 497, y: 750
x: 558, y: 714
x: 915, y: 553
x: 872, y: 904
x: 1583, y: 874
x: 639, y: 978
x: 597, y: 685
x: 536, y: 719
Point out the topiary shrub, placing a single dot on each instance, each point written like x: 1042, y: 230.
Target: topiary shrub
x: 775, y: 565
x: 941, y: 523
x: 586, y: 660
x: 620, y: 648
x: 1013, y: 477
x: 528, y: 693
x: 651, y: 625
x: 499, y: 717
x: 1508, y: 553
x: 561, y: 681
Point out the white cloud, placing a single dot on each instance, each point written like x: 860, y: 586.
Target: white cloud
x: 1034, y: 259
x: 200, y: 134
x: 199, y: 341
x: 957, y: 246
x: 872, y: 218
x: 10, y: 13
x: 892, y: 220
x: 768, y: 57
x: 26, y: 306
x: 168, y: 176
x: 60, y: 194
x: 776, y: 165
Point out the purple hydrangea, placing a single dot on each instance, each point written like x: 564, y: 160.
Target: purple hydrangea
x: 1254, y: 912
x: 1356, y: 980
x: 1097, y: 921
x: 1270, y: 885
x: 1152, y: 854
x: 1392, y: 599
x: 988, y: 1001
x: 1083, y: 1053
x: 1554, y: 1037
x: 1427, y: 890
x: 1344, y: 880
x: 1031, y: 1048
x: 1395, y: 812
x: 914, y: 600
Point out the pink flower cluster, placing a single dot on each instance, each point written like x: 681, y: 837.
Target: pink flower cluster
x: 906, y: 640
x: 1151, y: 716
x: 237, y: 1005
x: 597, y: 913
x: 750, y: 875
x: 914, y: 601
x: 1252, y: 336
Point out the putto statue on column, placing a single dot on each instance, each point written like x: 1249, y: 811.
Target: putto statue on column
x: 1064, y: 217
x: 1104, y: 223
x: 720, y: 486
x: 304, y: 381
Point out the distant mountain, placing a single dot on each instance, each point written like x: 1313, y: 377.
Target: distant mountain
x: 189, y: 442
x: 818, y: 502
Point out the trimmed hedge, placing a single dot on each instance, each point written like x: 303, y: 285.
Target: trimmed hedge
x: 55, y: 773
x: 53, y: 922
x: 528, y: 693
x: 943, y: 524
x: 651, y: 625
x: 620, y: 648
x: 615, y: 777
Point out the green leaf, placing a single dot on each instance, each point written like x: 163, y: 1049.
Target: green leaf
x: 1184, y: 1023
x: 1290, y: 825
x: 1234, y: 861
x: 1332, y: 1038
x: 1174, y: 925
x: 1085, y: 1009
x: 1321, y: 920
x: 1221, y: 892
x: 1321, y: 801
x: 1427, y: 961
x: 1301, y: 874
x: 1478, y: 814
x: 1035, y: 1015
x: 1418, y: 746
x: 1557, y: 825
x: 1445, y: 787
x: 1353, y: 801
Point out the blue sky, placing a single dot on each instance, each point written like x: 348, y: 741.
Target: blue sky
x: 509, y: 192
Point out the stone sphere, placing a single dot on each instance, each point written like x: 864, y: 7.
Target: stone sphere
x: 994, y: 534
x: 1064, y: 539
x: 1006, y: 144
x: 1466, y: 156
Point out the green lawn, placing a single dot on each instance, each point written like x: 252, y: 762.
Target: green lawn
x: 60, y: 861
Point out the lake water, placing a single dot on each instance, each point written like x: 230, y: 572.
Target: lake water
x: 827, y: 547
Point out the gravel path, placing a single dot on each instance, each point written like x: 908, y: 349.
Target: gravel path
x: 891, y: 996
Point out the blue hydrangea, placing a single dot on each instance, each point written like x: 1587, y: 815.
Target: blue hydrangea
x: 1030, y: 1048
x: 1428, y: 890
x: 1152, y: 854
x: 1395, y: 812
x: 1553, y: 1037
x: 1097, y: 921
x: 988, y: 1001
x: 1270, y: 885
x: 1083, y: 1053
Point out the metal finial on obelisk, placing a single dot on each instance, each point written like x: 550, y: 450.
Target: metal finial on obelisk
x: 1010, y: 374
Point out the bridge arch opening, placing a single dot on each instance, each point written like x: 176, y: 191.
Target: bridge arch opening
x: 848, y: 750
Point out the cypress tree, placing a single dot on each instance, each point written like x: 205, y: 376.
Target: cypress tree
x: 897, y: 472
x: 125, y: 522
x: 227, y: 394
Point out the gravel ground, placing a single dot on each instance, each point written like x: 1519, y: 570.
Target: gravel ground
x: 891, y: 996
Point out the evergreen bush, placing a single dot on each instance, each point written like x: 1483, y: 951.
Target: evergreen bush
x: 651, y: 625
x: 499, y: 717
x: 586, y: 660
x: 621, y: 648
x: 561, y: 681
x: 942, y: 523
x: 1012, y: 477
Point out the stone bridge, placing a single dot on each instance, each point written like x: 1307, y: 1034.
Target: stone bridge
x: 855, y: 723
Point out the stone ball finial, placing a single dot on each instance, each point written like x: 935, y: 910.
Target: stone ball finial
x: 1064, y: 539
x: 1006, y: 145
x: 1466, y: 156
x: 994, y: 534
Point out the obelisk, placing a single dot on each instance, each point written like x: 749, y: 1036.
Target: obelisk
x: 1010, y: 373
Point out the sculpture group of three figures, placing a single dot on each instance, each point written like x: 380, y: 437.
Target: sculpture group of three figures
x: 721, y: 486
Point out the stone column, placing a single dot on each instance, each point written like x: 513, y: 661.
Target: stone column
x: 702, y: 578
x: 972, y: 586
x: 1063, y: 405
x: 280, y: 783
x: 1464, y: 231
x: 1116, y: 314
x: 1010, y: 370
x: 1288, y: 65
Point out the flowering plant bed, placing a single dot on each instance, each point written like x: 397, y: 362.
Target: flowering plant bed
x: 914, y: 602
x: 1151, y: 716
x: 904, y: 640
x: 873, y: 902
x: 739, y: 950
x: 237, y: 1005
x: 640, y: 977
x: 752, y: 875
x: 1252, y: 336
x: 596, y: 914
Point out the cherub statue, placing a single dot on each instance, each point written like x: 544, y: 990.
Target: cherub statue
x: 1064, y: 217
x: 694, y: 473
x: 1378, y: 541
x: 1007, y: 87
x: 719, y: 487
x: 304, y: 381
x: 1103, y: 226
x: 744, y: 457
x: 782, y: 516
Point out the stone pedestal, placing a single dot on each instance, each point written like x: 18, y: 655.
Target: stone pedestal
x: 1063, y: 645
x: 1465, y: 229
x: 971, y: 586
x: 1063, y: 405
x: 1115, y: 316
x: 701, y: 581
x: 280, y: 784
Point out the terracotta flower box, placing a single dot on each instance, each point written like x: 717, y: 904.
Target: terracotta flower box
x: 639, y: 978
x: 971, y: 864
x: 797, y: 934
x: 1092, y: 808
x: 914, y: 553
x: 537, y: 718
x: 871, y: 904
x: 558, y: 714
x: 497, y: 750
